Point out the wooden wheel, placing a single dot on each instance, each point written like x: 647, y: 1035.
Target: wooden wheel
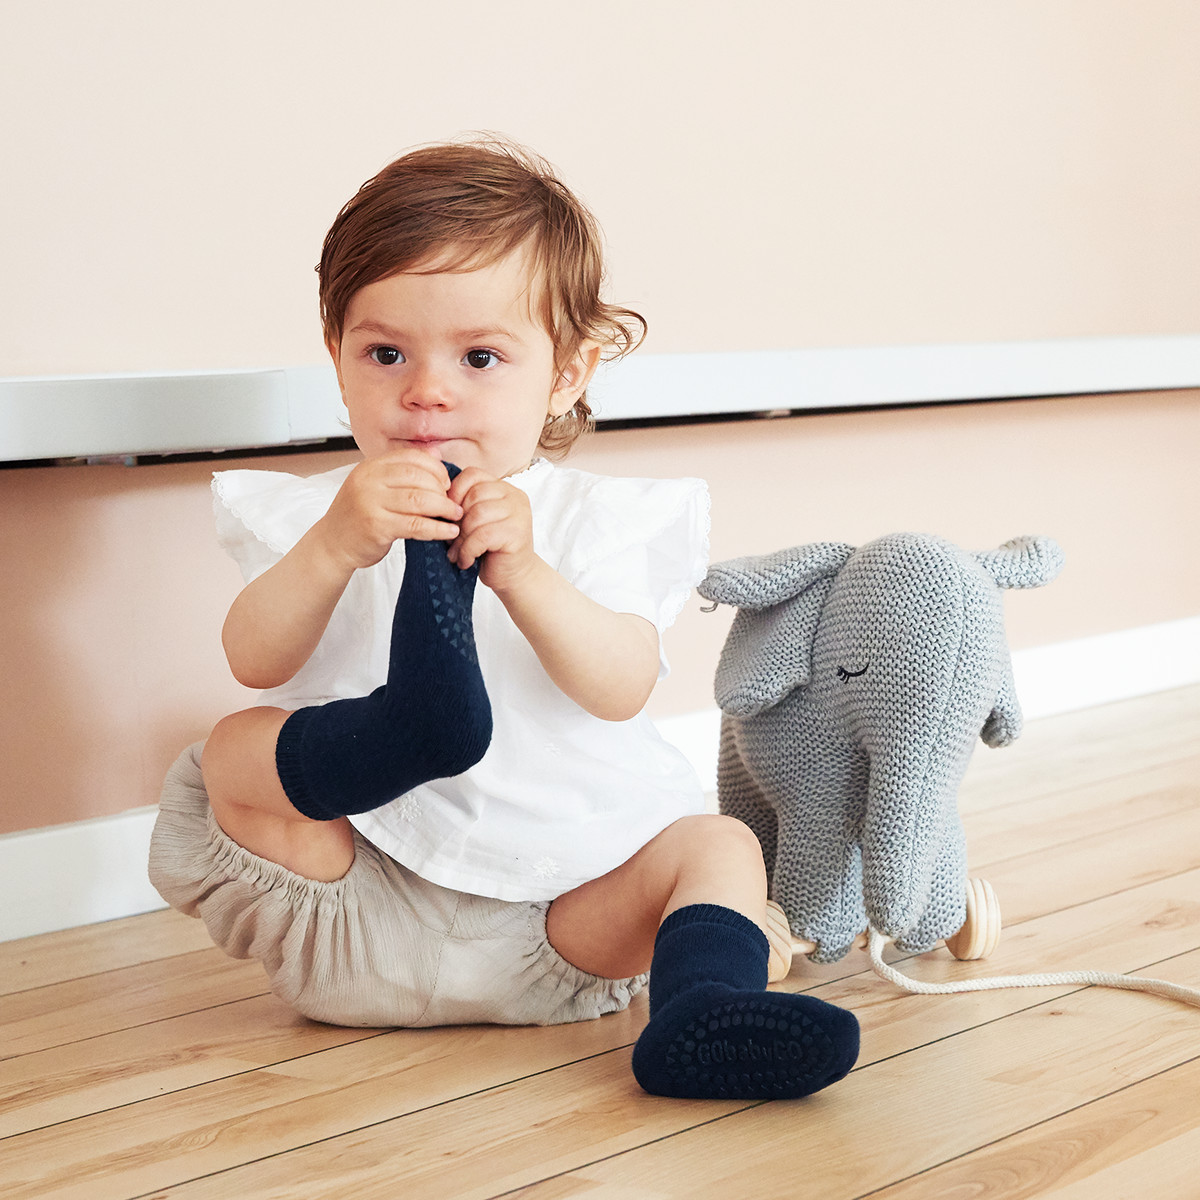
x: 779, y: 935
x: 980, y: 934
x: 804, y: 946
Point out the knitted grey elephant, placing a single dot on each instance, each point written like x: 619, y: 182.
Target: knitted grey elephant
x: 853, y: 684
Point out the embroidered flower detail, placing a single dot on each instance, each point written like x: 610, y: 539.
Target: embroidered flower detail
x: 408, y: 807
x: 546, y: 868
x: 552, y: 750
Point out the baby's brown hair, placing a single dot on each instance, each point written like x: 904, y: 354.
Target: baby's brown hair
x: 464, y: 205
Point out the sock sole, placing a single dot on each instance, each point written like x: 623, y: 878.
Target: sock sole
x: 757, y: 1046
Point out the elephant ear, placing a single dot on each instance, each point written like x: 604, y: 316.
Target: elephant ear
x: 1023, y: 562
x: 764, y: 580
x: 768, y: 652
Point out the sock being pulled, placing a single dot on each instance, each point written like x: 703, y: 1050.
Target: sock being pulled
x: 716, y: 1033
x: 431, y: 720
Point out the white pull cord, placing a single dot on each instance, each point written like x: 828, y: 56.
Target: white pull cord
x: 1133, y: 983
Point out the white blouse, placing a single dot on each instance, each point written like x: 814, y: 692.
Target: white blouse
x: 561, y: 796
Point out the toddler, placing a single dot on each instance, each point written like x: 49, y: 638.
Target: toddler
x: 448, y: 807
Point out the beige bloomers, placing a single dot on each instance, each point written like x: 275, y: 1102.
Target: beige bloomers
x: 378, y: 947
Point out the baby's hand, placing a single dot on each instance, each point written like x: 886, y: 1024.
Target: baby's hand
x: 496, y: 528
x: 402, y: 494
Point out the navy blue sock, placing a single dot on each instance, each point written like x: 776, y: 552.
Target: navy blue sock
x: 431, y: 720
x: 714, y: 1030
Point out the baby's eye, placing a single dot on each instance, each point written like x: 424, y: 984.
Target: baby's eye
x: 385, y: 356
x: 481, y: 359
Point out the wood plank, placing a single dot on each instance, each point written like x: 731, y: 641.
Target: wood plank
x: 215, y: 1127
x: 1030, y: 885
x: 1167, y: 1172
x: 920, y: 1107
x: 563, y: 1187
x: 74, y: 1080
x: 890, y: 1120
x: 1133, y: 932
x: 62, y: 1013
x: 1099, y: 807
x: 1086, y: 746
x: 93, y: 949
x: 1141, y: 1141
x: 152, y: 1144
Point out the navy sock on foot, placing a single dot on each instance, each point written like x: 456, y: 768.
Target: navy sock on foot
x: 431, y: 720
x: 716, y: 1033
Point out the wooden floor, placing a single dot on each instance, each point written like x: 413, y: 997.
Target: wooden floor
x: 136, y: 1060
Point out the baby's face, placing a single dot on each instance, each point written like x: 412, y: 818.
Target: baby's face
x: 456, y: 364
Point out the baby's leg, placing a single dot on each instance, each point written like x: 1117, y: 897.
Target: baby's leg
x: 691, y: 905
x: 277, y: 779
x: 251, y: 806
x: 431, y: 720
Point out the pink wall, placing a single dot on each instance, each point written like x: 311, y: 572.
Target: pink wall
x: 113, y: 590
x: 770, y: 175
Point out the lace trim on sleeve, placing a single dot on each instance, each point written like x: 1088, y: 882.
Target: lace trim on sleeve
x: 272, y: 507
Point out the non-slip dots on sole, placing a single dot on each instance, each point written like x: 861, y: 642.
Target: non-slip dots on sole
x: 751, y: 1049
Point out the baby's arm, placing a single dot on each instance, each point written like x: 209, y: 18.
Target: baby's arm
x: 607, y: 662
x: 277, y: 620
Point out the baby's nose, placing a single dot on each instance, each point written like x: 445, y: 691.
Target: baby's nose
x: 427, y: 388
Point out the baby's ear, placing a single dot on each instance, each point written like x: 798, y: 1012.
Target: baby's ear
x: 574, y: 378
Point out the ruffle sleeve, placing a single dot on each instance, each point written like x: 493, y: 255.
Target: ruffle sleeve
x: 261, y: 515
x: 634, y: 545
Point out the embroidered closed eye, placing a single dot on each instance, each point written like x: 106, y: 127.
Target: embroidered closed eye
x: 845, y: 676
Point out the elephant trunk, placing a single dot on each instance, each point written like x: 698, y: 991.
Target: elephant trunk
x: 912, y: 836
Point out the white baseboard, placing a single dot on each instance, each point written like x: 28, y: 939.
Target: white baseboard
x: 90, y: 871
x: 76, y: 874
